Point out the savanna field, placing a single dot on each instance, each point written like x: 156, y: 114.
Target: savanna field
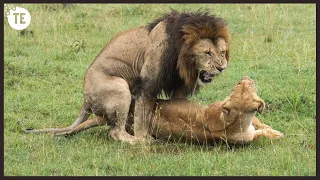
x: 274, y: 44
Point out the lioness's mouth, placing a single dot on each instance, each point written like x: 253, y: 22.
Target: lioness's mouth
x: 205, y: 76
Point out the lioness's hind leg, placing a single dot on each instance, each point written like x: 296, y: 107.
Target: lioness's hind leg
x: 257, y: 124
x: 268, y: 133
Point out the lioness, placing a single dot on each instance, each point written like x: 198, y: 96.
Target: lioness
x: 175, y: 54
x: 232, y: 120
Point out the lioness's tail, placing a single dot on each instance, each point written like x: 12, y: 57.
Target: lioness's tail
x: 83, y: 116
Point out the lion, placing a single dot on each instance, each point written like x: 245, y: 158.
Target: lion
x: 232, y: 120
x: 173, y: 56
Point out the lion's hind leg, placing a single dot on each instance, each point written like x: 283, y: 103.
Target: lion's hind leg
x: 116, y: 101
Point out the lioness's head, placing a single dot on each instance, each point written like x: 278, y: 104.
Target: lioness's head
x: 243, y: 99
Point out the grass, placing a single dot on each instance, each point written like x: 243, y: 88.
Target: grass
x: 274, y: 44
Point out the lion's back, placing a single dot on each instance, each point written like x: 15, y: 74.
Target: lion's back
x: 124, y: 46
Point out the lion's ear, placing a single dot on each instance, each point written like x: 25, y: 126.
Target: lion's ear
x: 225, y: 34
x: 190, y: 34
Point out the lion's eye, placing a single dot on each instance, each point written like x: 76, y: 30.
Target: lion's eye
x: 223, y: 53
x: 208, y: 53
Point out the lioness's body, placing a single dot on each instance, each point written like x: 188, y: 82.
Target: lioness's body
x: 232, y: 120
x: 183, y: 120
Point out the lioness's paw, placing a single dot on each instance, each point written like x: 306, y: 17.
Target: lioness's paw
x: 272, y: 134
x: 264, y: 126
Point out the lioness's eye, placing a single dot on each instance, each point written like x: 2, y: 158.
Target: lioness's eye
x: 223, y: 53
x: 208, y: 53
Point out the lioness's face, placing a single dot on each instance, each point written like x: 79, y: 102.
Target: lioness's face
x: 243, y: 98
x: 210, y: 58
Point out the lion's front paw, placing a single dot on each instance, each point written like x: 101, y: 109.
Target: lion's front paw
x: 123, y: 136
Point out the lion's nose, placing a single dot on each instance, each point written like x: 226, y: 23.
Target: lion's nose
x: 220, y: 68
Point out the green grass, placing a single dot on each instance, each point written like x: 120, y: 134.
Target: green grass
x: 274, y: 44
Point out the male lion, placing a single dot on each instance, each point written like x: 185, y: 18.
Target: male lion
x: 232, y: 120
x: 174, y: 54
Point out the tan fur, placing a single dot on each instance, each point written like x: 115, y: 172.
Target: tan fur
x: 231, y: 120
x: 194, y: 34
x: 136, y: 56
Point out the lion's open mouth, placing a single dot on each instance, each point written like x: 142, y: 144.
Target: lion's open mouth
x: 205, y: 76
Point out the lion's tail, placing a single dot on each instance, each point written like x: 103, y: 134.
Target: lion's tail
x: 83, y: 116
x: 93, y: 122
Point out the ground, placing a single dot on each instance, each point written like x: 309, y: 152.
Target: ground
x: 274, y: 44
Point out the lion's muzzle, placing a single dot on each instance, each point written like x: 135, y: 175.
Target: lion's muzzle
x: 205, y: 76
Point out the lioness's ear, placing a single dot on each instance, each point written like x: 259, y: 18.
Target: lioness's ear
x: 261, y: 106
x: 226, y: 108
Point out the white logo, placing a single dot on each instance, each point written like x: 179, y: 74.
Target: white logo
x: 18, y: 18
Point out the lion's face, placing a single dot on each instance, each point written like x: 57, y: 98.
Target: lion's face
x: 210, y: 58
x: 243, y: 99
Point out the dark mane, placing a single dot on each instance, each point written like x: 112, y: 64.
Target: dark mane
x: 177, y: 63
